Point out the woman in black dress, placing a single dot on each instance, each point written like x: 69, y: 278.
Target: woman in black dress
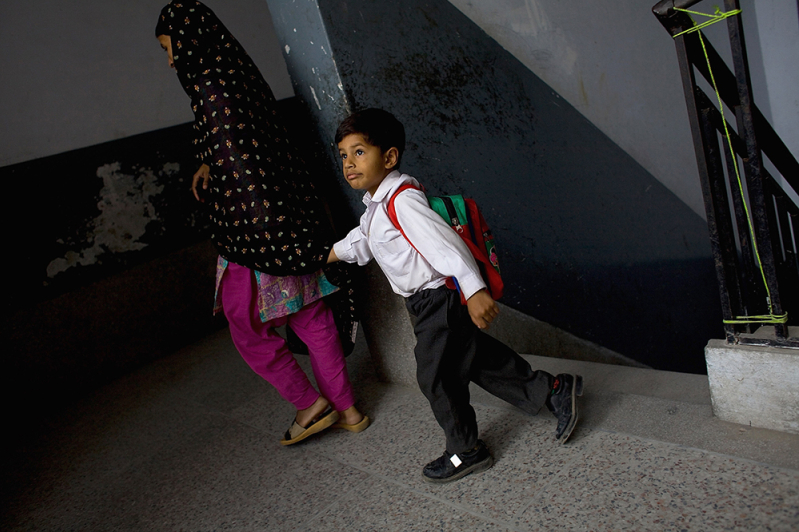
x: 269, y: 226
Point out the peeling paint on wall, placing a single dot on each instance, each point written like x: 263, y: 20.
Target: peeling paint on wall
x: 313, y: 92
x: 300, y: 28
x: 126, y: 208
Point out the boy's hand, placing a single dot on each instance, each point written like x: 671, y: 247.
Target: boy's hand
x: 482, y: 309
x: 204, y: 174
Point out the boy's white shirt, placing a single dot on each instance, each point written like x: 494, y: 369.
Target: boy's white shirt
x: 443, y: 253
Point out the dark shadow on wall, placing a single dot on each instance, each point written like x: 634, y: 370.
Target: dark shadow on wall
x: 101, y: 210
x: 112, y: 269
x: 590, y: 242
x: 112, y: 266
x: 592, y: 305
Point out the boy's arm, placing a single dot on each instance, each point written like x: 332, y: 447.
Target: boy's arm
x: 352, y: 248
x: 332, y: 256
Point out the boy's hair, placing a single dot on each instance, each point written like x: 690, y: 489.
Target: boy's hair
x: 378, y: 127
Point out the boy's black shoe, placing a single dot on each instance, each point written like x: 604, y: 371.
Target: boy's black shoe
x: 452, y: 467
x: 562, y: 402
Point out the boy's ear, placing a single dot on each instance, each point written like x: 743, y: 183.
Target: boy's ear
x: 391, y: 157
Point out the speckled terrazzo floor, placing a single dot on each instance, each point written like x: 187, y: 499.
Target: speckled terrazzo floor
x: 191, y: 443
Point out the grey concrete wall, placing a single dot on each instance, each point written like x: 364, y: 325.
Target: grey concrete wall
x: 76, y: 74
x: 590, y: 242
x: 618, y: 67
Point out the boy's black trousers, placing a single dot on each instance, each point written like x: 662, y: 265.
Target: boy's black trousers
x: 451, y: 352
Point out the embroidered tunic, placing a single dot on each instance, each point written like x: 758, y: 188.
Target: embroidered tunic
x: 280, y: 296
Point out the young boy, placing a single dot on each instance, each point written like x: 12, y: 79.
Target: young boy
x: 450, y: 350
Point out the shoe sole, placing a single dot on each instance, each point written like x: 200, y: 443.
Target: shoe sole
x: 358, y: 427
x: 577, y: 391
x: 316, y: 428
x: 479, y: 467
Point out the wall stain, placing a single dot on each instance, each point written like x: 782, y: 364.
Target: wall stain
x: 583, y: 92
x: 126, y: 208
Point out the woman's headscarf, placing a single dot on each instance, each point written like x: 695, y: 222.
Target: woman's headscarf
x: 264, y: 210
x: 198, y: 41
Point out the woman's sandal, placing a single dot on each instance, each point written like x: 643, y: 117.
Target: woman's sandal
x: 297, y: 432
x: 357, y: 427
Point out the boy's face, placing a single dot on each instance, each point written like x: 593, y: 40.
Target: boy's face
x: 364, y: 165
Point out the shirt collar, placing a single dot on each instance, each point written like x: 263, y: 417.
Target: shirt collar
x: 388, y: 184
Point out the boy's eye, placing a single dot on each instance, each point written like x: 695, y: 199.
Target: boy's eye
x: 343, y: 156
x: 359, y: 152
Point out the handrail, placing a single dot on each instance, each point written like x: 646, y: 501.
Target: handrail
x: 770, y: 142
x: 665, y: 8
x: 753, y: 223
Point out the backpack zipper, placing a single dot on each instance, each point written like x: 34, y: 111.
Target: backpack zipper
x: 453, y: 215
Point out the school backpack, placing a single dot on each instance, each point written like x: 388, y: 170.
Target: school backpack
x: 466, y: 219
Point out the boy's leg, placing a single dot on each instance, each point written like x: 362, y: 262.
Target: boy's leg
x: 499, y: 370
x: 315, y: 326
x: 261, y: 347
x: 443, y: 365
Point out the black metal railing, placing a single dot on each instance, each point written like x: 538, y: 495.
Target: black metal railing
x: 754, y: 225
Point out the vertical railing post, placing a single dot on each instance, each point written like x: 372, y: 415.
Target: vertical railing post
x: 725, y: 253
x: 714, y: 192
x: 763, y: 215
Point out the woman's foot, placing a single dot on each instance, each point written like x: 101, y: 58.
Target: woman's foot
x: 310, y: 421
x: 350, y: 416
x: 306, y: 416
x: 352, y: 420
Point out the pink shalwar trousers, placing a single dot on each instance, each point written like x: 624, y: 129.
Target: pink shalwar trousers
x: 267, y: 354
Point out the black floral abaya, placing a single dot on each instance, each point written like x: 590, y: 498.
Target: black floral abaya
x: 264, y: 211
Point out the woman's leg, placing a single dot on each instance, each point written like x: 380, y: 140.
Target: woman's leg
x: 261, y: 347
x: 315, y: 326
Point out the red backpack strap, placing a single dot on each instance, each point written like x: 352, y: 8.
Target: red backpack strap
x: 392, y: 211
x: 489, y: 266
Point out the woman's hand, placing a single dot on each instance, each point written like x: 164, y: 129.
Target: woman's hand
x: 482, y: 309
x: 203, y: 173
